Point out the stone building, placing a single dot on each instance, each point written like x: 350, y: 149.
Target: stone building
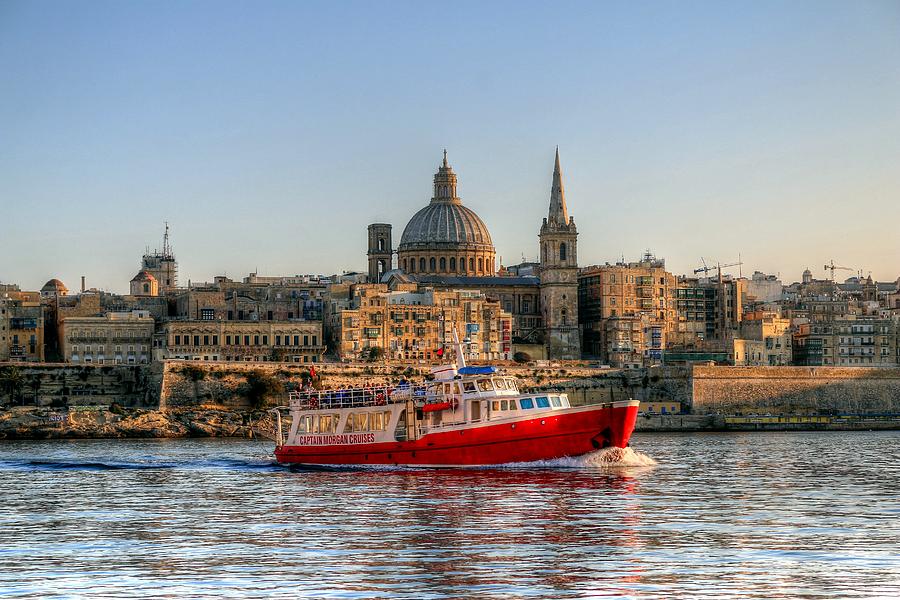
x: 850, y: 341
x: 627, y: 311
x: 219, y: 340
x: 21, y: 327
x: 112, y: 338
x: 144, y: 284
x: 765, y: 339
x: 418, y: 322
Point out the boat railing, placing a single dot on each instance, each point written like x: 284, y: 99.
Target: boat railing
x: 354, y: 397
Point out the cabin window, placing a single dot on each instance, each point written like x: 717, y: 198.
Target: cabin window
x: 376, y: 421
x: 448, y: 388
x: 543, y: 402
x: 500, y: 384
x: 362, y: 421
x: 485, y: 385
x: 526, y: 403
x: 555, y: 401
x: 348, y: 427
x: 495, y: 405
x: 504, y: 405
x: 512, y: 405
x: 469, y: 386
x: 303, y: 426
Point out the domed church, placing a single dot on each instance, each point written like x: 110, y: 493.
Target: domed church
x: 445, y: 244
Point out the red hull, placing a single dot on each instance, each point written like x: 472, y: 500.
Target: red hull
x: 552, y: 435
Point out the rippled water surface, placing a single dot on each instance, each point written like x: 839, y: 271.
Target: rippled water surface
x: 749, y: 515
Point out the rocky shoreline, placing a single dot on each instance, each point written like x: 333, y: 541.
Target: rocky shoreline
x: 29, y: 423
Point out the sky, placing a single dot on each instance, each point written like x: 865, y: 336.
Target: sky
x: 269, y: 134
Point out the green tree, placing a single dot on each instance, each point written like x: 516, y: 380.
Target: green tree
x: 261, y: 387
x: 11, y: 382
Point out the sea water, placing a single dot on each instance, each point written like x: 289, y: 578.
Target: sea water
x: 676, y: 516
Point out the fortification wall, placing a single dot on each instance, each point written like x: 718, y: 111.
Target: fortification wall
x: 61, y: 385
x: 795, y: 390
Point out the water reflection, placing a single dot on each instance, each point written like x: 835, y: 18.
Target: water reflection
x: 742, y: 515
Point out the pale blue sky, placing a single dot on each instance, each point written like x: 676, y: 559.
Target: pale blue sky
x: 270, y: 134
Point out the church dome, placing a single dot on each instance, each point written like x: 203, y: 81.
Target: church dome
x: 445, y: 223
x: 446, y: 237
x: 54, y: 286
x: 143, y: 276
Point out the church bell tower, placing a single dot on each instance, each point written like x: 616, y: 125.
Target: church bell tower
x: 381, y: 256
x: 559, y: 275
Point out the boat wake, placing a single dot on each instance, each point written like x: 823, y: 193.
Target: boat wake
x: 607, y: 458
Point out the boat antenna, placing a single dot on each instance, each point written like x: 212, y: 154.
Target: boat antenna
x: 460, y: 359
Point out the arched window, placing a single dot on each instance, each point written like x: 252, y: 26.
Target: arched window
x: 544, y: 252
x: 432, y: 263
x: 381, y: 244
x: 562, y: 251
x: 471, y: 264
x: 404, y: 265
x: 422, y: 265
x: 452, y: 264
x: 146, y: 288
x: 480, y: 264
x: 443, y: 264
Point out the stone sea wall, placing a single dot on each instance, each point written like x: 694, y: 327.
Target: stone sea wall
x: 795, y: 390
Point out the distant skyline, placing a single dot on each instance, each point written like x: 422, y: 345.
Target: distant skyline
x: 270, y: 134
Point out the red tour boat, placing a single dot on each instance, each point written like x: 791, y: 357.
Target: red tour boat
x: 466, y: 416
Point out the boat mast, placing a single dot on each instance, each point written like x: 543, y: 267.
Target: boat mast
x: 460, y: 359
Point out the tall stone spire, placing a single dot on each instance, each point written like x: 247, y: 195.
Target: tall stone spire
x: 559, y: 214
x: 445, y: 183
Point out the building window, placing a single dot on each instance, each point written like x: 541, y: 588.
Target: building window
x: 206, y: 340
x: 256, y: 340
x: 265, y: 340
x: 422, y: 264
x: 277, y: 340
x: 196, y: 340
x: 433, y: 264
x: 452, y: 263
x: 177, y: 340
x: 215, y: 339
x: 228, y: 340
x: 480, y: 264
x: 562, y: 251
x: 471, y: 264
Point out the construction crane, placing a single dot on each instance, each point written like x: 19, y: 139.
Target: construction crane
x: 833, y: 267
x: 705, y: 269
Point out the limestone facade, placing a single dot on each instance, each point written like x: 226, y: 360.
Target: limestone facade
x: 21, y: 327
x: 414, y: 324
x: 114, y: 338
x: 256, y: 341
x: 628, y: 311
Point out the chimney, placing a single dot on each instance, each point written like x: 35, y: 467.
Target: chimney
x: 82, y: 284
